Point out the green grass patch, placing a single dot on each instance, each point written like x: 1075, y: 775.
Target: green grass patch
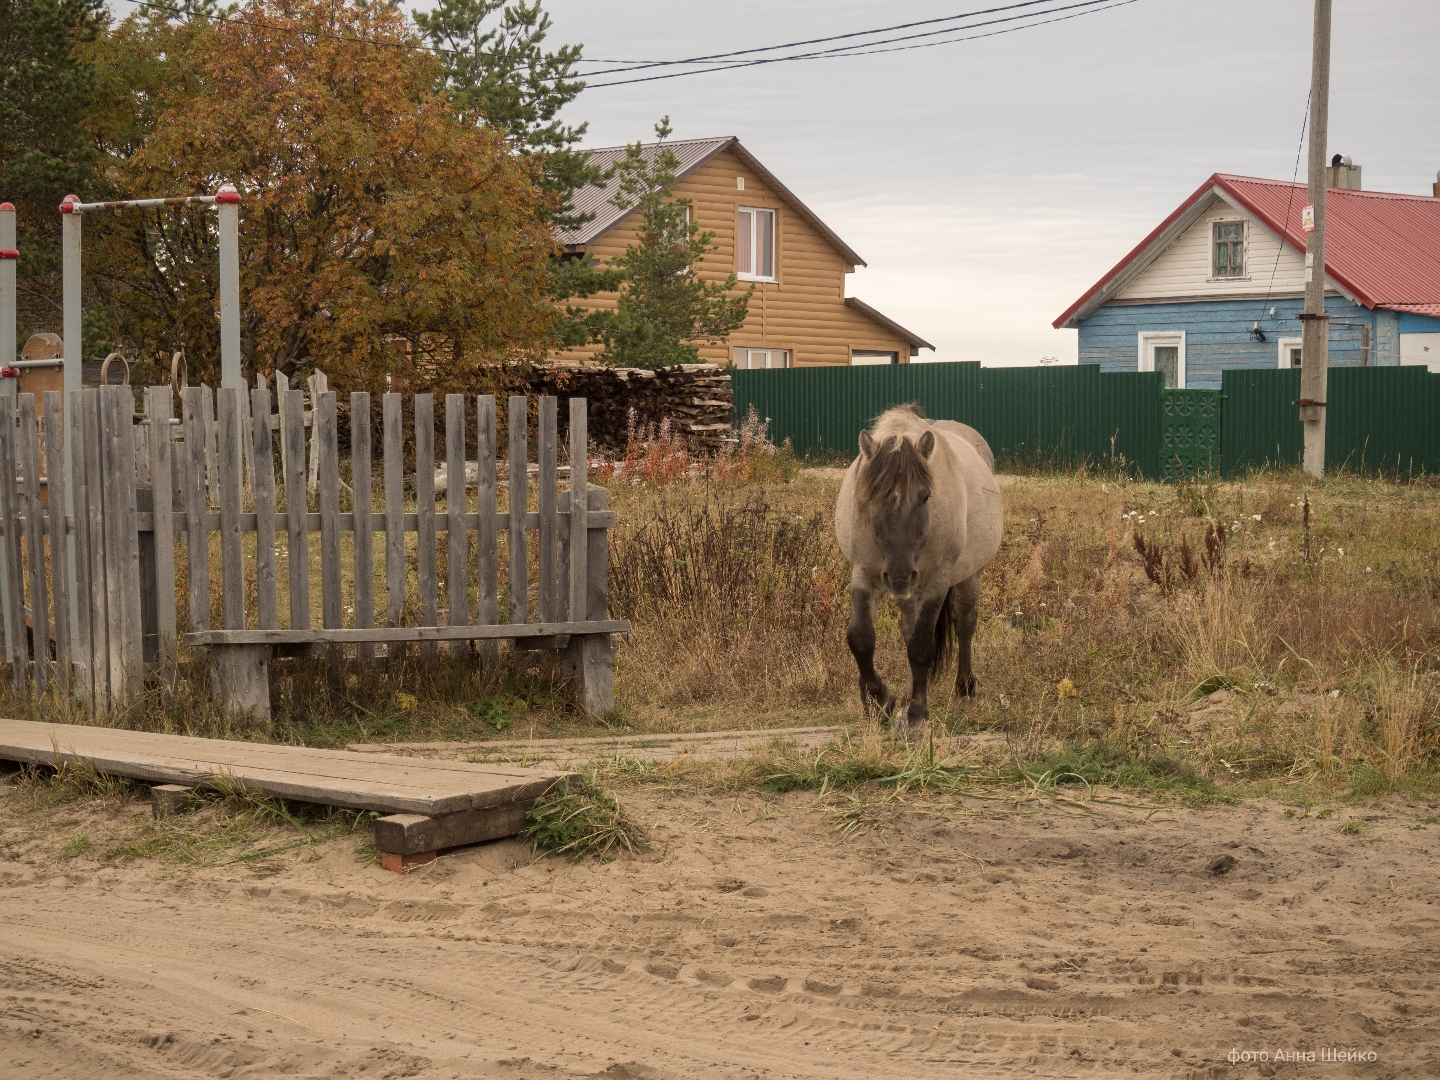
x: 579, y: 821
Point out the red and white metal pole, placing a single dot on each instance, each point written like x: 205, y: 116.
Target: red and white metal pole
x: 227, y: 202
x: 8, y: 312
x: 70, y: 292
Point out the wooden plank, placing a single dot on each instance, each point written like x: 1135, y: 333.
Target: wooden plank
x: 325, y: 441
x: 425, y: 512
x: 499, y: 632
x: 337, y: 778
x: 518, y: 496
x: 122, y: 547
x: 99, y: 587
x: 360, y: 486
x: 292, y: 437
x: 282, y: 385
x: 393, y: 450
x: 19, y: 654
x: 83, y: 647
x: 232, y: 481
x: 162, y: 444
x: 548, y: 480
x: 411, y: 834
x: 55, y: 472
x: 262, y: 486
x: 212, y: 466
x: 197, y: 536
x: 456, y: 538
x: 28, y: 442
x: 579, y: 482
x: 486, y: 526
x: 317, y: 385
x: 562, y: 557
x: 247, y: 444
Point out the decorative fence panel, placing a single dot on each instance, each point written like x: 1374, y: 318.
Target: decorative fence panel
x: 1189, y: 432
x: 91, y: 597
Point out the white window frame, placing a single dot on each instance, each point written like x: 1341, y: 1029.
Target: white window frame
x: 1286, y: 344
x: 773, y: 358
x: 755, y: 212
x: 1244, y: 223
x: 1150, y: 339
x: 868, y: 357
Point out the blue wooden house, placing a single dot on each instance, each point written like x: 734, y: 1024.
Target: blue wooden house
x: 1220, y: 282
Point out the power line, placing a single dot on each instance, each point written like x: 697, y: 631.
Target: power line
x: 715, y: 57
x: 834, y: 54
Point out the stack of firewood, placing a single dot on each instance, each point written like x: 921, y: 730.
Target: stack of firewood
x: 697, y: 399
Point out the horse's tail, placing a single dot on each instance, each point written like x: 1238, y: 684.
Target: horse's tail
x: 945, y: 621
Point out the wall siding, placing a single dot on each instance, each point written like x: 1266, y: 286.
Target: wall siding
x: 1217, y: 335
x: 1183, y: 269
x: 803, y: 311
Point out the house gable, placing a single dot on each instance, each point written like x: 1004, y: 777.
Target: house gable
x: 804, y: 311
x: 1183, y: 269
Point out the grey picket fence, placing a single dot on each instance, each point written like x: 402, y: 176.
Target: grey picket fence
x: 109, y: 567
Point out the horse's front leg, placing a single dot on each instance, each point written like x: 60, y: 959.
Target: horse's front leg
x: 861, y: 639
x: 918, y: 623
x: 967, y: 615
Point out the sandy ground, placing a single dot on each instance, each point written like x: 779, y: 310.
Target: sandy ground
x: 753, y: 942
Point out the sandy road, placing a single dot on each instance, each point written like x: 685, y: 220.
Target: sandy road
x: 754, y: 942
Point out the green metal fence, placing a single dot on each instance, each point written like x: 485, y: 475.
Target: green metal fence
x: 1380, y: 419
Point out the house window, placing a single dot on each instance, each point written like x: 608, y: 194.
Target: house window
x: 861, y: 357
x: 1289, y: 353
x: 1229, y: 249
x: 756, y: 359
x: 755, y: 244
x: 1165, y: 353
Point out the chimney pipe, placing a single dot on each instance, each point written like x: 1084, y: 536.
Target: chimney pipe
x: 1436, y: 187
x: 1343, y: 173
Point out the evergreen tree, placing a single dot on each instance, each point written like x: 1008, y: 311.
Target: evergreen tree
x: 45, y: 91
x: 503, y: 73
x: 665, y: 308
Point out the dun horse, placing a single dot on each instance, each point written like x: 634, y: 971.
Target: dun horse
x: 919, y: 516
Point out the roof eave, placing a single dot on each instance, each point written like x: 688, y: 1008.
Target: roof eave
x: 887, y: 322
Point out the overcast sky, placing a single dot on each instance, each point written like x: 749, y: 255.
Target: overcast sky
x: 989, y: 183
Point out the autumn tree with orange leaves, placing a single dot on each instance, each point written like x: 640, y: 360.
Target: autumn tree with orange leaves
x: 383, y: 230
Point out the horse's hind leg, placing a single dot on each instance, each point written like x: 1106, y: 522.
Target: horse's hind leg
x: 965, y: 603
x: 861, y: 639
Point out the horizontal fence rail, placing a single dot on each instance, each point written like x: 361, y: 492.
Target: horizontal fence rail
x: 1379, y: 419
x: 234, y: 530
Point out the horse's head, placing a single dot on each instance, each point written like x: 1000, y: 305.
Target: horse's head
x: 893, y: 496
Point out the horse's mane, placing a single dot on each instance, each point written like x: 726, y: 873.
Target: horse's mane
x: 896, y: 465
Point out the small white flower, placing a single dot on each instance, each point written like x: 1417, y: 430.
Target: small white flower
x: 1272, y: 545
x: 1104, y: 488
x: 1341, y: 551
x: 1367, y: 569
x: 1254, y: 517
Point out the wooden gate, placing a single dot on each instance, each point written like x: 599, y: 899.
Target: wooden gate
x: 91, y: 597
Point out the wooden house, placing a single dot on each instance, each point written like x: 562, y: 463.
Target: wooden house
x: 1220, y: 283
x: 799, y: 315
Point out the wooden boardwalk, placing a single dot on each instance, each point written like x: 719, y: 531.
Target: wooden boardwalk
x: 383, y: 782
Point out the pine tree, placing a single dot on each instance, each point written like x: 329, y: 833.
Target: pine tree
x: 665, y: 308
x: 504, y: 74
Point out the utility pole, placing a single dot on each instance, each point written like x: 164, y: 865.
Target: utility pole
x: 1315, y: 339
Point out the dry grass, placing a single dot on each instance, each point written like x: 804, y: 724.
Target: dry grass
x: 1111, y: 615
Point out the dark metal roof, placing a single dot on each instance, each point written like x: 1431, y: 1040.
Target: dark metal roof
x: 692, y: 153
x: 1382, y: 248
x: 887, y: 322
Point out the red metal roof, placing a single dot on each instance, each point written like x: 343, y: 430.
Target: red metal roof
x: 1380, y: 247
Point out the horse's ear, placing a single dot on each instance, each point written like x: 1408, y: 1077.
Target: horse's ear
x: 926, y: 445
x: 867, y: 444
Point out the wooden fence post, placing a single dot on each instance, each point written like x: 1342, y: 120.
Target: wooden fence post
x: 82, y: 647
x: 519, y: 474
x: 426, y: 583
x: 29, y: 448
x: 162, y: 486
x: 59, y: 538
x: 590, y: 658
x: 457, y: 545
x: 487, y: 538
x: 360, y: 467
